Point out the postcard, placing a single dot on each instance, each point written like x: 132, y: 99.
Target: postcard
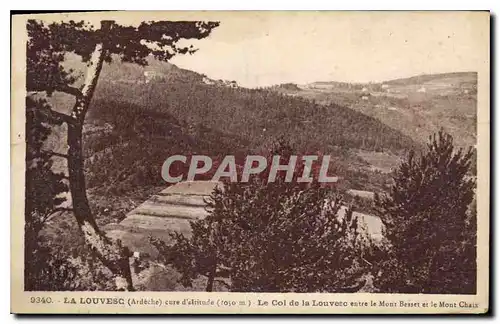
x: 250, y: 162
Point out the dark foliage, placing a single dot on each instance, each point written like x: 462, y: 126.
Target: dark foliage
x: 132, y: 153
x: 258, y: 116
x: 43, y: 271
x: 42, y: 185
x: 431, y: 223
x: 272, y: 237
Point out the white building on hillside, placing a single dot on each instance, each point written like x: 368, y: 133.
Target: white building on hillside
x: 150, y: 75
x: 208, y: 80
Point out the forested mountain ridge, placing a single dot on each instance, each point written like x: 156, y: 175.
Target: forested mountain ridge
x: 141, y: 115
x: 251, y: 113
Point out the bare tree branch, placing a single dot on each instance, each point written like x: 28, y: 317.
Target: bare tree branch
x: 61, y: 88
x: 369, y: 263
x: 69, y: 90
x: 52, y: 153
x: 61, y: 116
x: 54, y: 211
x: 223, y: 283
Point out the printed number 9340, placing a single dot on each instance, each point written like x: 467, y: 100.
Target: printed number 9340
x: 40, y: 300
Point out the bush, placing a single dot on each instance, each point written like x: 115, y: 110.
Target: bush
x: 49, y: 268
x: 45, y: 271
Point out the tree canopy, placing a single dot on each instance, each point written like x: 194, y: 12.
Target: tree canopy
x: 49, y: 42
x: 430, y: 222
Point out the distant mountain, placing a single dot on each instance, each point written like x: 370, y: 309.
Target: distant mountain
x: 417, y: 106
x: 440, y: 77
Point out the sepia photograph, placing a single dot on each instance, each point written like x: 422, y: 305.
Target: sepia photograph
x: 170, y: 158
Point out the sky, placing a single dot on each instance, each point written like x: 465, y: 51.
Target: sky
x: 264, y: 49
x: 258, y: 48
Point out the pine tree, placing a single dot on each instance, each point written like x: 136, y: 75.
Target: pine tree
x: 272, y: 237
x: 47, y: 47
x: 430, y: 222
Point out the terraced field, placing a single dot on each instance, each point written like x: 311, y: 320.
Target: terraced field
x: 173, y: 208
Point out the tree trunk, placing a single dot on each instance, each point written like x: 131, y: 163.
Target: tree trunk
x: 112, y: 254
x: 211, y: 278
